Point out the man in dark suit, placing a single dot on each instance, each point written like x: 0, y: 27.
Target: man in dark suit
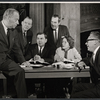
x: 40, y: 51
x: 8, y: 42
x: 55, y: 31
x: 24, y: 35
x: 90, y: 90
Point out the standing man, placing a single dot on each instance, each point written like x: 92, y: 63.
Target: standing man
x: 24, y: 35
x: 90, y: 90
x: 8, y: 42
x: 55, y: 31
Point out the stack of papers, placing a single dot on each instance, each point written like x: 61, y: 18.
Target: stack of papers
x: 64, y: 65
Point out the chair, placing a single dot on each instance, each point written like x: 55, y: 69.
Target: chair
x: 4, y: 82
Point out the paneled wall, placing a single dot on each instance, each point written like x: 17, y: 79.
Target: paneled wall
x: 70, y: 13
x: 37, y: 14
x: 90, y: 16
x: 89, y: 20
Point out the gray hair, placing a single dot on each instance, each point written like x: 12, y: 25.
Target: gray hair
x: 9, y: 12
x: 96, y: 34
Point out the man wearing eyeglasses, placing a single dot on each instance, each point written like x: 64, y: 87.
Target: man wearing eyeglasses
x: 90, y: 90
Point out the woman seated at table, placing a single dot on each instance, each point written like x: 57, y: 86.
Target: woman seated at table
x: 67, y: 51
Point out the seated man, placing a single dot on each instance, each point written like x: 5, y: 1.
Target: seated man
x: 40, y: 51
x: 90, y: 90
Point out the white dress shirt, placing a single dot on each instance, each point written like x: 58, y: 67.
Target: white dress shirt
x: 5, y: 28
x: 94, y: 53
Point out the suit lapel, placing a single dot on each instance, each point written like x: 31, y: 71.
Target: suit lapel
x: 36, y: 51
x: 20, y: 34
x: 3, y: 33
x: 96, y: 56
x: 44, y: 51
x: 11, y: 38
x: 21, y: 37
x: 59, y: 32
x: 51, y: 36
x: 93, y: 63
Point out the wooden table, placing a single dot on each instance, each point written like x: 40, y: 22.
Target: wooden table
x: 51, y: 72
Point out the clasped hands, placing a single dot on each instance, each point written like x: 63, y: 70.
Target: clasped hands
x: 36, y: 58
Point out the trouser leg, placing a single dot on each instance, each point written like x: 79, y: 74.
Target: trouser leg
x: 12, y: 69
x: 84, y: 90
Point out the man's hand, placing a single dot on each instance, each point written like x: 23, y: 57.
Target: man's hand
x: 37, y: 57
x: 81, y: 65
x: 26, y: 63
x: 58, y: 58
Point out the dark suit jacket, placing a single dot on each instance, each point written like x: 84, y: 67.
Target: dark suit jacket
x: 62, y: 31
x: 47, y: 53
x: 24, y: 47
x: 94, y: 67
x: 6, y: 48
x: 21, y: 40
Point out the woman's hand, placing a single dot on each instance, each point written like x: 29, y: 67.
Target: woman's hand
x: 58, y: 58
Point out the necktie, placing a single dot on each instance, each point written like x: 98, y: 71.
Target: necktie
x: 40, y: 51
x: 66, y: 54
x: 55, y: 34
x: 24, y: 33
x: 8, y: 34
x: 24, y: 37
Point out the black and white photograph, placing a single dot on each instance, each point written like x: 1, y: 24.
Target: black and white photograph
x: 49, y: 50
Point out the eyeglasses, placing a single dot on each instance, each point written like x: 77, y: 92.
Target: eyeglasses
x: 91, y: 40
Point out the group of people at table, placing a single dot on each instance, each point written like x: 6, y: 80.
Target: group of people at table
x: 54, y: 44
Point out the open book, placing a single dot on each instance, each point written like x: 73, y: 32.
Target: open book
x: 68, y: 61
x: 64, y: 65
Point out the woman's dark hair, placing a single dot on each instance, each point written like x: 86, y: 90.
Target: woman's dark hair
x: 69, y: 39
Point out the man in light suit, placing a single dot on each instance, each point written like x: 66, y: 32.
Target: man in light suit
x: 40, y: 51
x: 55, y: 31
x: 8, y: 42
x: 24, y: 35
x: 90, y: 90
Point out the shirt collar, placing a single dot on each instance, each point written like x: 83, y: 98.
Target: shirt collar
x: 96, y: 50
x: 56, y: 29
x: 41, y: 47
x: 5, y: 28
